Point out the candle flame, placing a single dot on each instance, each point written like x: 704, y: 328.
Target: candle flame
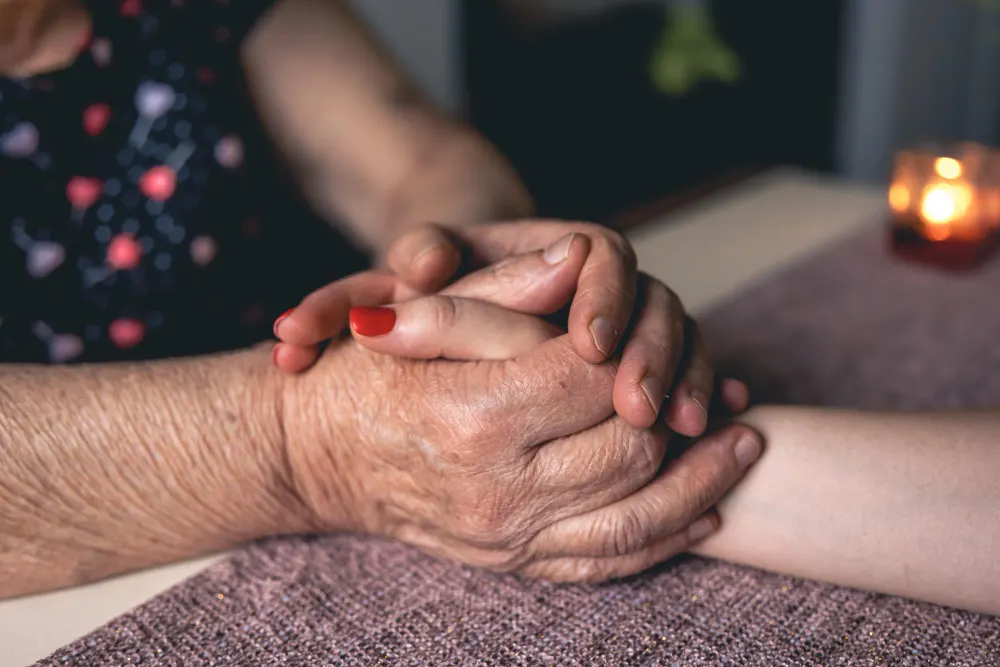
x: 939, y: 206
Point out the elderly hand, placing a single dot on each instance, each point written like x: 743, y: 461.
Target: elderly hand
x: 517, y: 463
x: 612, y: 302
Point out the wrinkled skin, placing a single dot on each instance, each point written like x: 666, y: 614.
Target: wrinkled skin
x: 651, y: 331
x: 512, y: 465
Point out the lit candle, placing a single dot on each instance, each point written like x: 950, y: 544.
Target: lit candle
x: 947, y: 200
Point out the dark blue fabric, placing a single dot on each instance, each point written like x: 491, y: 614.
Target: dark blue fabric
x: 140, y: 213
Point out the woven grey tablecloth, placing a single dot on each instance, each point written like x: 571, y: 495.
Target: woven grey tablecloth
x: 848, y: 327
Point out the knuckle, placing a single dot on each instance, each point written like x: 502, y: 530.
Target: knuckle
x: 626, y: 252
x: 443, y: 311
x: 498, y: 512
x: 627, y: 533
x: 603, y: 292
x: 480, y: 517
x: 660, y: 299
x: 646, y: 450
x: 617, y: 456
x: 507, y: 270
x: 545, y: 571
x: 618, y: 246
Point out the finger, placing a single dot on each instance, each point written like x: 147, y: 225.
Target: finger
x: 687, y: 412
x: 539, y: 282
x: 483, y: 324
x: 450, y: 327
x: 672, y: 501
x: 650, y: 358
x: 425, y: 258
x: 735, y: 395
x: 605, y: 298
x: 323, y: 314
x: 594, y: 570
x: 606, y: 289
x: 294, y: 358
x: 590, y: 470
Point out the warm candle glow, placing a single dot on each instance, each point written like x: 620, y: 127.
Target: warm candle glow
x: 939, y: 206
x: 945, y: 204
x: 948, y: 167
x: 899, y: 197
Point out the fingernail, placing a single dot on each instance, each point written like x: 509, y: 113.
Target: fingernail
x: 700, y: 529
x: 653, y: 388
x: 747, y: 451
x: 370, y: 322
x: 701, y: 400
x: 604, y: 334
x: 418, y: 258
x: 278, y: 321
x: 558, y: 251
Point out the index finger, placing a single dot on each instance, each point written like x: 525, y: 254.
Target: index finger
x: 324, y: 312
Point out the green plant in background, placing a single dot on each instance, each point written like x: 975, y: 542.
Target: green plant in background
x: 690, y: 51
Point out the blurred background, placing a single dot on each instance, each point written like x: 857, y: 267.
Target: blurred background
x: 586, y: 99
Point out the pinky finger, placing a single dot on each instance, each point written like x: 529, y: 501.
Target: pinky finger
x: 735, y: 395
x: 294, y: 359
x: 595, y: 570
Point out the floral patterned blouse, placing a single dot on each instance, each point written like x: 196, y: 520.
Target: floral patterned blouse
x: 142, y: 213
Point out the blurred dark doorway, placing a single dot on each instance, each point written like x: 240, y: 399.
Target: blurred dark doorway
x: 571, y: 102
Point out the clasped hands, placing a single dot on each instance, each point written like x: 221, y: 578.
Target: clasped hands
x: 477, y: 421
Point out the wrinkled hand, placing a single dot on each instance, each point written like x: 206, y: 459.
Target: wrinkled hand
x: 517, y: 463
x: 663, y: 352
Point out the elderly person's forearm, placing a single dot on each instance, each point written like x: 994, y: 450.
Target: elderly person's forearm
x: 369, y: 152
x: 906, y: 504
x: 109, y: 468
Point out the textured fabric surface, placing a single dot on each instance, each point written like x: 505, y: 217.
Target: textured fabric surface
x: 848, y: 327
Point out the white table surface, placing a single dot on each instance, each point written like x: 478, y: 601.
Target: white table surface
x: 706, y: 252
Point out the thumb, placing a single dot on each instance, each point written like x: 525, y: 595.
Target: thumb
x: 425, y: 258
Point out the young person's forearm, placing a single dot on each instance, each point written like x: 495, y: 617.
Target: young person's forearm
x: 906, y: 504
x: 108, y: 468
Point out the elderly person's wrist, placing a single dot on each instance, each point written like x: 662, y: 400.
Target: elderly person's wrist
x: 106, y: 469
x: 321, y: 425
x: 257, y: 482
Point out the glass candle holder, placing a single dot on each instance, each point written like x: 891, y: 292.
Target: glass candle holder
x: 945, y: 204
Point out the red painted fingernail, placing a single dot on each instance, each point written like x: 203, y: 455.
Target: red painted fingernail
x: 368, y: 321
x: 280, y: 318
